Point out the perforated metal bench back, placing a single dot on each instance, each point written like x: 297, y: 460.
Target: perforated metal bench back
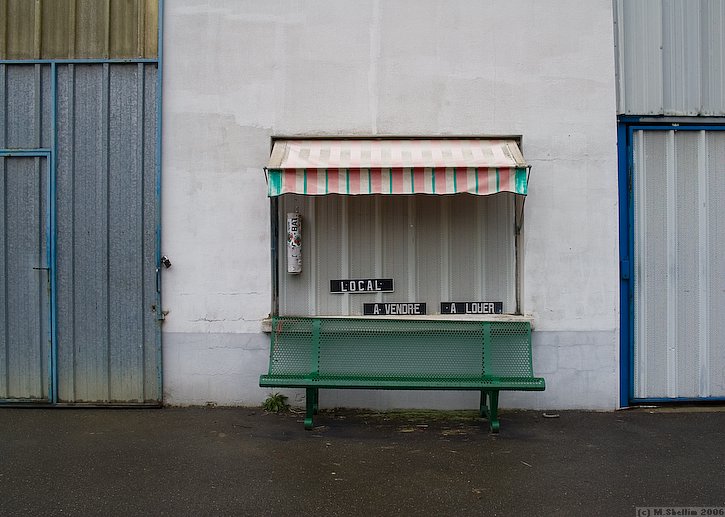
x: 399, y: 348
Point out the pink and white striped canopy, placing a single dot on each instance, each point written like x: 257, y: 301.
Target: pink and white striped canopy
x: 395, y: 166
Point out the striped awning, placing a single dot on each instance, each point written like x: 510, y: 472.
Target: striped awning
x: 394, y: 166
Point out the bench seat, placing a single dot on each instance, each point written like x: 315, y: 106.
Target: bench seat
x: 402, y: 383
x: 360, y: 353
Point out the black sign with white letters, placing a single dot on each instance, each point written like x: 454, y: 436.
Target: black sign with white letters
x: 394, y: 309
x: 471, y: 307
x: 365, y: 285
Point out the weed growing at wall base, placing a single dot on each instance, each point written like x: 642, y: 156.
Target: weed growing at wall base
x: 276, y: 403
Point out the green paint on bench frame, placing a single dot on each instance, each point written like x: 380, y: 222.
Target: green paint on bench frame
x: 359, y: 353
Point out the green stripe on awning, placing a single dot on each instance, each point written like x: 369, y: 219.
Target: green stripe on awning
x: 487, y: 181
x: 522, y: 184
x: 274, y: 187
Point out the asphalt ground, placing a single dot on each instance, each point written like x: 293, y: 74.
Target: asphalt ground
x: 242, y: 461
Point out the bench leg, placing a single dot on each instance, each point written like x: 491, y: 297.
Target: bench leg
x: 316, y: 402
x: 311, y: 403
x: 489, y: 409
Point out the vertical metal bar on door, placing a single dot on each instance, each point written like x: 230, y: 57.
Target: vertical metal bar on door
x: 53, y: 384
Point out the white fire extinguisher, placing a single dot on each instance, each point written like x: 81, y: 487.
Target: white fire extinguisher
x: 294, y: 243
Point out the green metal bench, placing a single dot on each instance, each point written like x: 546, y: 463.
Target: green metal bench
x: 316, y: 353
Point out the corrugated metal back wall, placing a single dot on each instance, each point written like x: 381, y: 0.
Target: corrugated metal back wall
x: 670, y: 57
x: 106, y: 219
x: 55, y: 29
x: 436, y: 249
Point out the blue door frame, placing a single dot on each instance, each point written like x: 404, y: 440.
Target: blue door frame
x: 625, y: 158
x: 49, y: 259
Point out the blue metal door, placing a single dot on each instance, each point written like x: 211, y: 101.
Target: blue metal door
x: 673, y: 263
x: 25, y: 281
x: 86, y: 135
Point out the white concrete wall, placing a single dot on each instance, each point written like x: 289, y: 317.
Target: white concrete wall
x: 237, y: 73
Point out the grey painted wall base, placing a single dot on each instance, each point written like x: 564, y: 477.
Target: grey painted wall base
x: 218, y: 368
x: 580, y: 369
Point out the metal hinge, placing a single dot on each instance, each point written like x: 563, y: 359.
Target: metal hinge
x: 157, y: 306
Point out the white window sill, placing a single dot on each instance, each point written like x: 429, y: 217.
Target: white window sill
x: 267, y: 322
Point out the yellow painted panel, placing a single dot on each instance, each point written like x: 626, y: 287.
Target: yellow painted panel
x: 151, y: 32
x: 3, y: 28
x: 92, y: 19
x: 20, y: 29
x: 124, y: 28
x: 67, y: 29
x: 56, y: 30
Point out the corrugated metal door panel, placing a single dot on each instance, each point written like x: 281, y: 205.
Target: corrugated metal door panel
x: 24, y: 291
x: 671, y: 57
x: 26, y: 118
x: 713, y: 353
x: 687, y: 263
x: 679, y: 331
x: 436, y: 248
x: 107, y: 335
x: 650, y: 292
x: 125, y: 271
x: 65, y: 230
x: 90, y: 230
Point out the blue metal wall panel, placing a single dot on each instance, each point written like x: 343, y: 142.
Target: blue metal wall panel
x: 108, y: 337
x: 24, y: 282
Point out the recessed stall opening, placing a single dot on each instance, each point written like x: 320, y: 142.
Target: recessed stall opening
x: 396, y: 227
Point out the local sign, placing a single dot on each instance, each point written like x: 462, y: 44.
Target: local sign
x: 365, y: 285
x: 471, y: 307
